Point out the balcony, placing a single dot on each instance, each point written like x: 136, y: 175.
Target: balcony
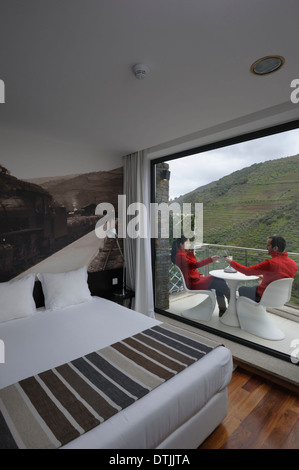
x: 286, y: 317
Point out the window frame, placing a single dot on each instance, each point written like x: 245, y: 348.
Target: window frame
x: 277, y: 129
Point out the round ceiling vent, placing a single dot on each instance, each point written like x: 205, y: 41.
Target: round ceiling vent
x: 267, y: 65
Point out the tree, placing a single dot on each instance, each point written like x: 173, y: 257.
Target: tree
x: 4, y: 171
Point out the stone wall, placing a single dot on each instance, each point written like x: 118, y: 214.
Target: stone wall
x: 161, y: 245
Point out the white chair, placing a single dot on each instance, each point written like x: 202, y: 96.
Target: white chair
x: 204, y: 310
x: 253, y: 316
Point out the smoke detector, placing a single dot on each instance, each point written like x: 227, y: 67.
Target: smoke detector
x: 140, y: 71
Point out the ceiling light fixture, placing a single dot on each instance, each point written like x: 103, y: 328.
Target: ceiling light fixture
x: 165, y: 175
x: 267, y: 64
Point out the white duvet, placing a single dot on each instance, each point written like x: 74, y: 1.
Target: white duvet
x: 51, y: 338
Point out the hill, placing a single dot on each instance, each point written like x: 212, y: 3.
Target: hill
x: 243, y: 208
x: 10, y: 185
x: 79, y: 191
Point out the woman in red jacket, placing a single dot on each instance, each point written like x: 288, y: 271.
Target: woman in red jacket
x: 278, y: 267
x: 183, y: 257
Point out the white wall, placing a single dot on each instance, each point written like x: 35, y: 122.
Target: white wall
x: 28, y: 155
x: 280, y: 114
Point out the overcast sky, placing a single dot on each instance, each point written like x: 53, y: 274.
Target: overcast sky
x: 191, y: 172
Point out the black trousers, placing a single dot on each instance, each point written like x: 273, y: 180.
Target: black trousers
x: 222, y: 291
x: 250, y: 292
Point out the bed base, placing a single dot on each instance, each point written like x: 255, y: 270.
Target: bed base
x: 194, y: 431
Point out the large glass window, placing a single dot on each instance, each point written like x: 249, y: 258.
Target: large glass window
x: 230, y: 197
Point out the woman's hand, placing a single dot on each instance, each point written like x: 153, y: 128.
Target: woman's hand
x: 215, y: 257
x: 228, y: 259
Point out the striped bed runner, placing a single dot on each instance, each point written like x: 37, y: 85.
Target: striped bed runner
x: 56, y: 406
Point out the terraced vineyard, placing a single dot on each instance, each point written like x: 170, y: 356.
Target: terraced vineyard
x: 245, y: 207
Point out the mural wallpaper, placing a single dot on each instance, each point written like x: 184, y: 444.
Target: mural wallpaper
x: 48, y: 216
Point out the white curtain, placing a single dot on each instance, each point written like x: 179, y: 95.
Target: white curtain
x: 137, y: 251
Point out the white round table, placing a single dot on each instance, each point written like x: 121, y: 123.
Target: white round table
x: 230, y: 317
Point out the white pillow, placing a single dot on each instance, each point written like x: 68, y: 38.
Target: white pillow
x: 65, y: 289
x: 16, y: 298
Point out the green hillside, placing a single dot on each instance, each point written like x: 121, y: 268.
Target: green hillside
x: 246, y: 206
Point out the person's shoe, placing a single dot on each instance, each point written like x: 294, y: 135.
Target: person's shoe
x: 221, y: 305
x: 221, y: 312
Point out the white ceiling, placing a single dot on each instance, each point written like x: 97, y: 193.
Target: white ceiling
x: 67, y: 64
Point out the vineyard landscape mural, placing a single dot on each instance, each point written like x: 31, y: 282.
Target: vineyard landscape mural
x: 43, y: 216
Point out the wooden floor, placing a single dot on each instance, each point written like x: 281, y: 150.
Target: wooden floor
x: 261, y: 415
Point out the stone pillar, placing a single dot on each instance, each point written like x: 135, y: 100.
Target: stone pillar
x: 162, y: 244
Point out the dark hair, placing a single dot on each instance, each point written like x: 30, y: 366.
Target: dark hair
x: 279, y: 242
x: 175, y: 246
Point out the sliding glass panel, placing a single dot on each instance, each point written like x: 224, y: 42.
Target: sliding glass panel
x: 227, y: 199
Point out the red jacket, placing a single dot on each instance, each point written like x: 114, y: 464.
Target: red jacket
x: 278, y: 267
x: 187, y: 262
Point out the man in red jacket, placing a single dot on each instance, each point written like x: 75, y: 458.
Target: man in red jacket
x: 278, y: 267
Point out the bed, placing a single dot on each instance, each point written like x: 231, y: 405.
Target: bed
x: 177, y: 414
